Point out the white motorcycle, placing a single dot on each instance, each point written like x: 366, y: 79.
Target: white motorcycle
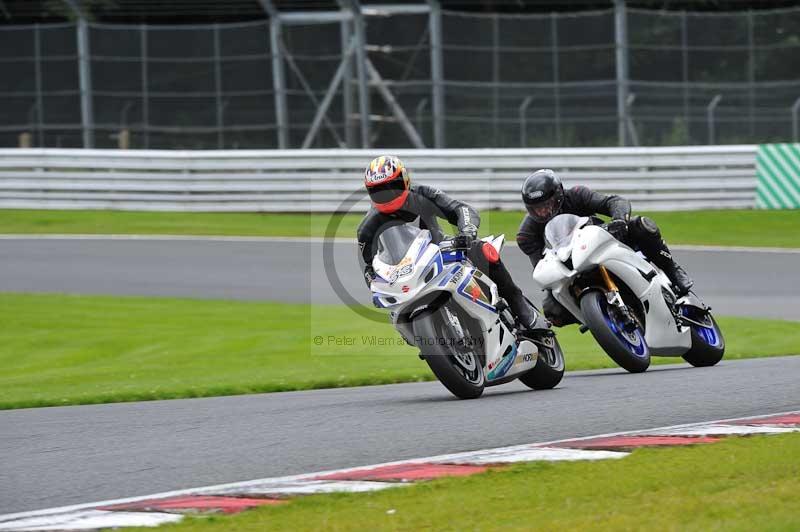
x: 623, y: 299
x: 442, y: 304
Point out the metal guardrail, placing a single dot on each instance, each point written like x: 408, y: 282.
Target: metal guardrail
x: 664, y: 178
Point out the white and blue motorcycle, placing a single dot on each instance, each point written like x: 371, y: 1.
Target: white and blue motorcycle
x: 626, y: 302
x: 451, y: 311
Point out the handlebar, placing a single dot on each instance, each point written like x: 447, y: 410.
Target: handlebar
x: 449, y: 245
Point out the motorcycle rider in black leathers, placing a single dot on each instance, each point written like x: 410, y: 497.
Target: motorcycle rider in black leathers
x: 544, y: 197
x: 396, y: 201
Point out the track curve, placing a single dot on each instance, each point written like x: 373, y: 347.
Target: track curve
x: 67, y: 455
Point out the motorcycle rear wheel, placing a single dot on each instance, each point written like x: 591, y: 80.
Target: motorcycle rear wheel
x: 549, y: 369
x: 708, y: 344
x: 457, y: 367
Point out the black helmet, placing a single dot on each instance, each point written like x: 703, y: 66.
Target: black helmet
x: 543, y: 195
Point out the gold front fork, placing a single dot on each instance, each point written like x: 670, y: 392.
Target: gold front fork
x: 612, y: 296
x: 608, y: 280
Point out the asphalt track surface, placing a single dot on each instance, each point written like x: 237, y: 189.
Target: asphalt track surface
x: 58, y: 456
x: 68, y: 455
x: 737, y: 283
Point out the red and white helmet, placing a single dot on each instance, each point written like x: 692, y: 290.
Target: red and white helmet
x: 387, y: 182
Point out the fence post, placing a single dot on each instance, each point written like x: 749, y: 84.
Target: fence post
x: 85, y: 66
x: 621, y: 46
x: 360, y: 33
x: 145, y: 86
x: 278, y: 73
x: 751, y: 74
x: 795, y: 112
x: 556, y: 75
x: 523, y: 121
x: 437, y: 72
x: 685, y: 71
x: 345, y: 30
x: 218, y: 89
x: 84, y: 75
x: 712, y: 106
x: 495, y: 79
x: 37, y: 46
x: 279, y: 81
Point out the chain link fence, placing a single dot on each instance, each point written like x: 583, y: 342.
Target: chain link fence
x: 506, y: 81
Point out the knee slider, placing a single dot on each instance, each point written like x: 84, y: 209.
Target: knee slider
x: 553, y: 308
x: 556, y: 313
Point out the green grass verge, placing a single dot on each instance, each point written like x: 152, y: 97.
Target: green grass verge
x: 60, y: 349
x: 729, y: 227
x: 737, y: 484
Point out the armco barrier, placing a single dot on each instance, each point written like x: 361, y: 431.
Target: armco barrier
x: 778, y: 169
x: 696, y: 177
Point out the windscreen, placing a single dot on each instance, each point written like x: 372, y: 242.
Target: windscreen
x: 558, y: 232
x: 395, y: 241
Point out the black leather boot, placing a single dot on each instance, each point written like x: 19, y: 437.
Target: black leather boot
x: 681, y: 282
x: 507, y: 289
x: 521, y: 310
x: 647, y: 236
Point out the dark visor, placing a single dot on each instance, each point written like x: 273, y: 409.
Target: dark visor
x: 386, y: 192
x: 543, y: 210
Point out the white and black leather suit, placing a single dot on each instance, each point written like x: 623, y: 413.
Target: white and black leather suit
x: 423, y: 207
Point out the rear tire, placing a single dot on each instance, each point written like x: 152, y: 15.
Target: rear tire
x: 549, y: 368
x: 457, y: 368
x: 708, y: 346
x: 629, y: 350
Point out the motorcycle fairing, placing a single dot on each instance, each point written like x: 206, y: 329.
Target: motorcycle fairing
x: 401, y: 287
x: 471, y: 290
x: 501, y: 368
x: 399, y: 282
x: 592, y: 246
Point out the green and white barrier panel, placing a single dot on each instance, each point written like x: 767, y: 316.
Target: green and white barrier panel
x: 778, y: 170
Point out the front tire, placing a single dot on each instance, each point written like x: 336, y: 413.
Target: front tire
x: 628, y: 349
x: 549, y: 369
x: 708, y: 345
x: 459, y: 369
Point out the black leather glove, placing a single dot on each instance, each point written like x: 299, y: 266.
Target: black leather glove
x: 465, y: 237
x: 618, y: 229
x: 369, y: 275
x: 463, y: 241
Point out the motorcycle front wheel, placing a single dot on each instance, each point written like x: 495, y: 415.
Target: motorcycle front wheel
x: 445, y: 348
x: 626, y: 348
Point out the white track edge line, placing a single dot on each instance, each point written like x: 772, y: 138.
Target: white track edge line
x: 738, y: 249
x: 305, y: 476
x: 318, y: 240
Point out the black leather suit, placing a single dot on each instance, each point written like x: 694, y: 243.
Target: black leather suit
x: 643, y: 234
